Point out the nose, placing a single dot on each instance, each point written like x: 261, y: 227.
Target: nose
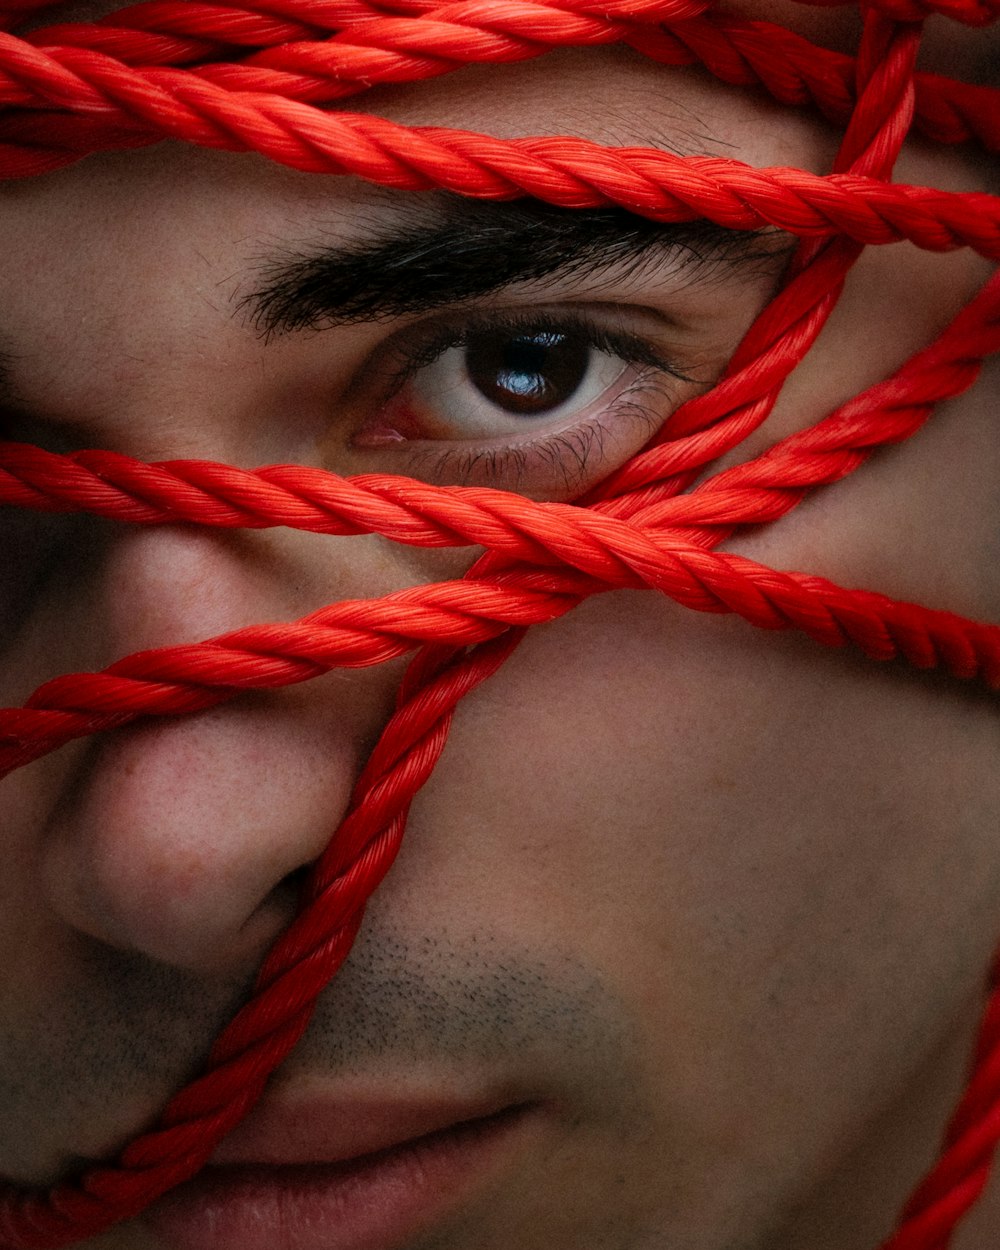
x: 181, y: 839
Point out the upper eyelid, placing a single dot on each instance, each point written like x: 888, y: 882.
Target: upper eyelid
x: 629, y: 346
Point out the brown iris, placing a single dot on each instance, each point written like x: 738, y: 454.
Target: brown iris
x: 529, y: 374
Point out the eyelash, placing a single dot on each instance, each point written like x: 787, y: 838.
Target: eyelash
x: 638, y: 400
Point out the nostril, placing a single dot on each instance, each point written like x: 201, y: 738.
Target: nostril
x: 277, y: 910
x: 290, y: 888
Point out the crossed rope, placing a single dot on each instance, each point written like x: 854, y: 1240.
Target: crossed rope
x: 253, y: 77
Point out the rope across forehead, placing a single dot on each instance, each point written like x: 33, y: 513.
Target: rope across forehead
x: 263, y: 77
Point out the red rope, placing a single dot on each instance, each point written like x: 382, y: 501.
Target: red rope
x: 377, y: 48
x: 163, y: 69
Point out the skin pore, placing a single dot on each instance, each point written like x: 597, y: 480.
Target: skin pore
x: 718, y: 904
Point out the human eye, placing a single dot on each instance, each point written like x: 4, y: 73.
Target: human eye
x: 544, y: 401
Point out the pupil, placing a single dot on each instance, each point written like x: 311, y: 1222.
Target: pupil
x: 528, y: 374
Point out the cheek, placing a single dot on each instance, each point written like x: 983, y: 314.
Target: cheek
x: 767, y: 847
x: 21, y: 914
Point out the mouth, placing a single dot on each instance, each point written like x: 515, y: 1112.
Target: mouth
x: 262, y: 1193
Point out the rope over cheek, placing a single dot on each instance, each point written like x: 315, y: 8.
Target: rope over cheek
x: 165, y: 69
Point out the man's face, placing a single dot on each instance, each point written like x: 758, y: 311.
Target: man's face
x: 703, y: 912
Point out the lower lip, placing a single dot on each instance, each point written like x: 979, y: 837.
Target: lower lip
x: 363, y: 1204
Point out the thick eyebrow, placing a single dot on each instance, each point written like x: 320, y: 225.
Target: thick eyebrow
x: 456, y: 250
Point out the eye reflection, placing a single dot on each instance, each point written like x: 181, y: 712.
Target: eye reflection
x: 527, y: 374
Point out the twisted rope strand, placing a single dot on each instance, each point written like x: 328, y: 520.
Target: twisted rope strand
x: 380, y: 47
x: 963, y: 1168
x: 574, y: 173
x: 185, y: 678
x: 786, y: 330
x: 888, y: 412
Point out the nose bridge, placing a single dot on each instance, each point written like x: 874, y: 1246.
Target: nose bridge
x: 179, y: 836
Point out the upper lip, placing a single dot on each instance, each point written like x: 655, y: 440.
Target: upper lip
x: 333, y: 1128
